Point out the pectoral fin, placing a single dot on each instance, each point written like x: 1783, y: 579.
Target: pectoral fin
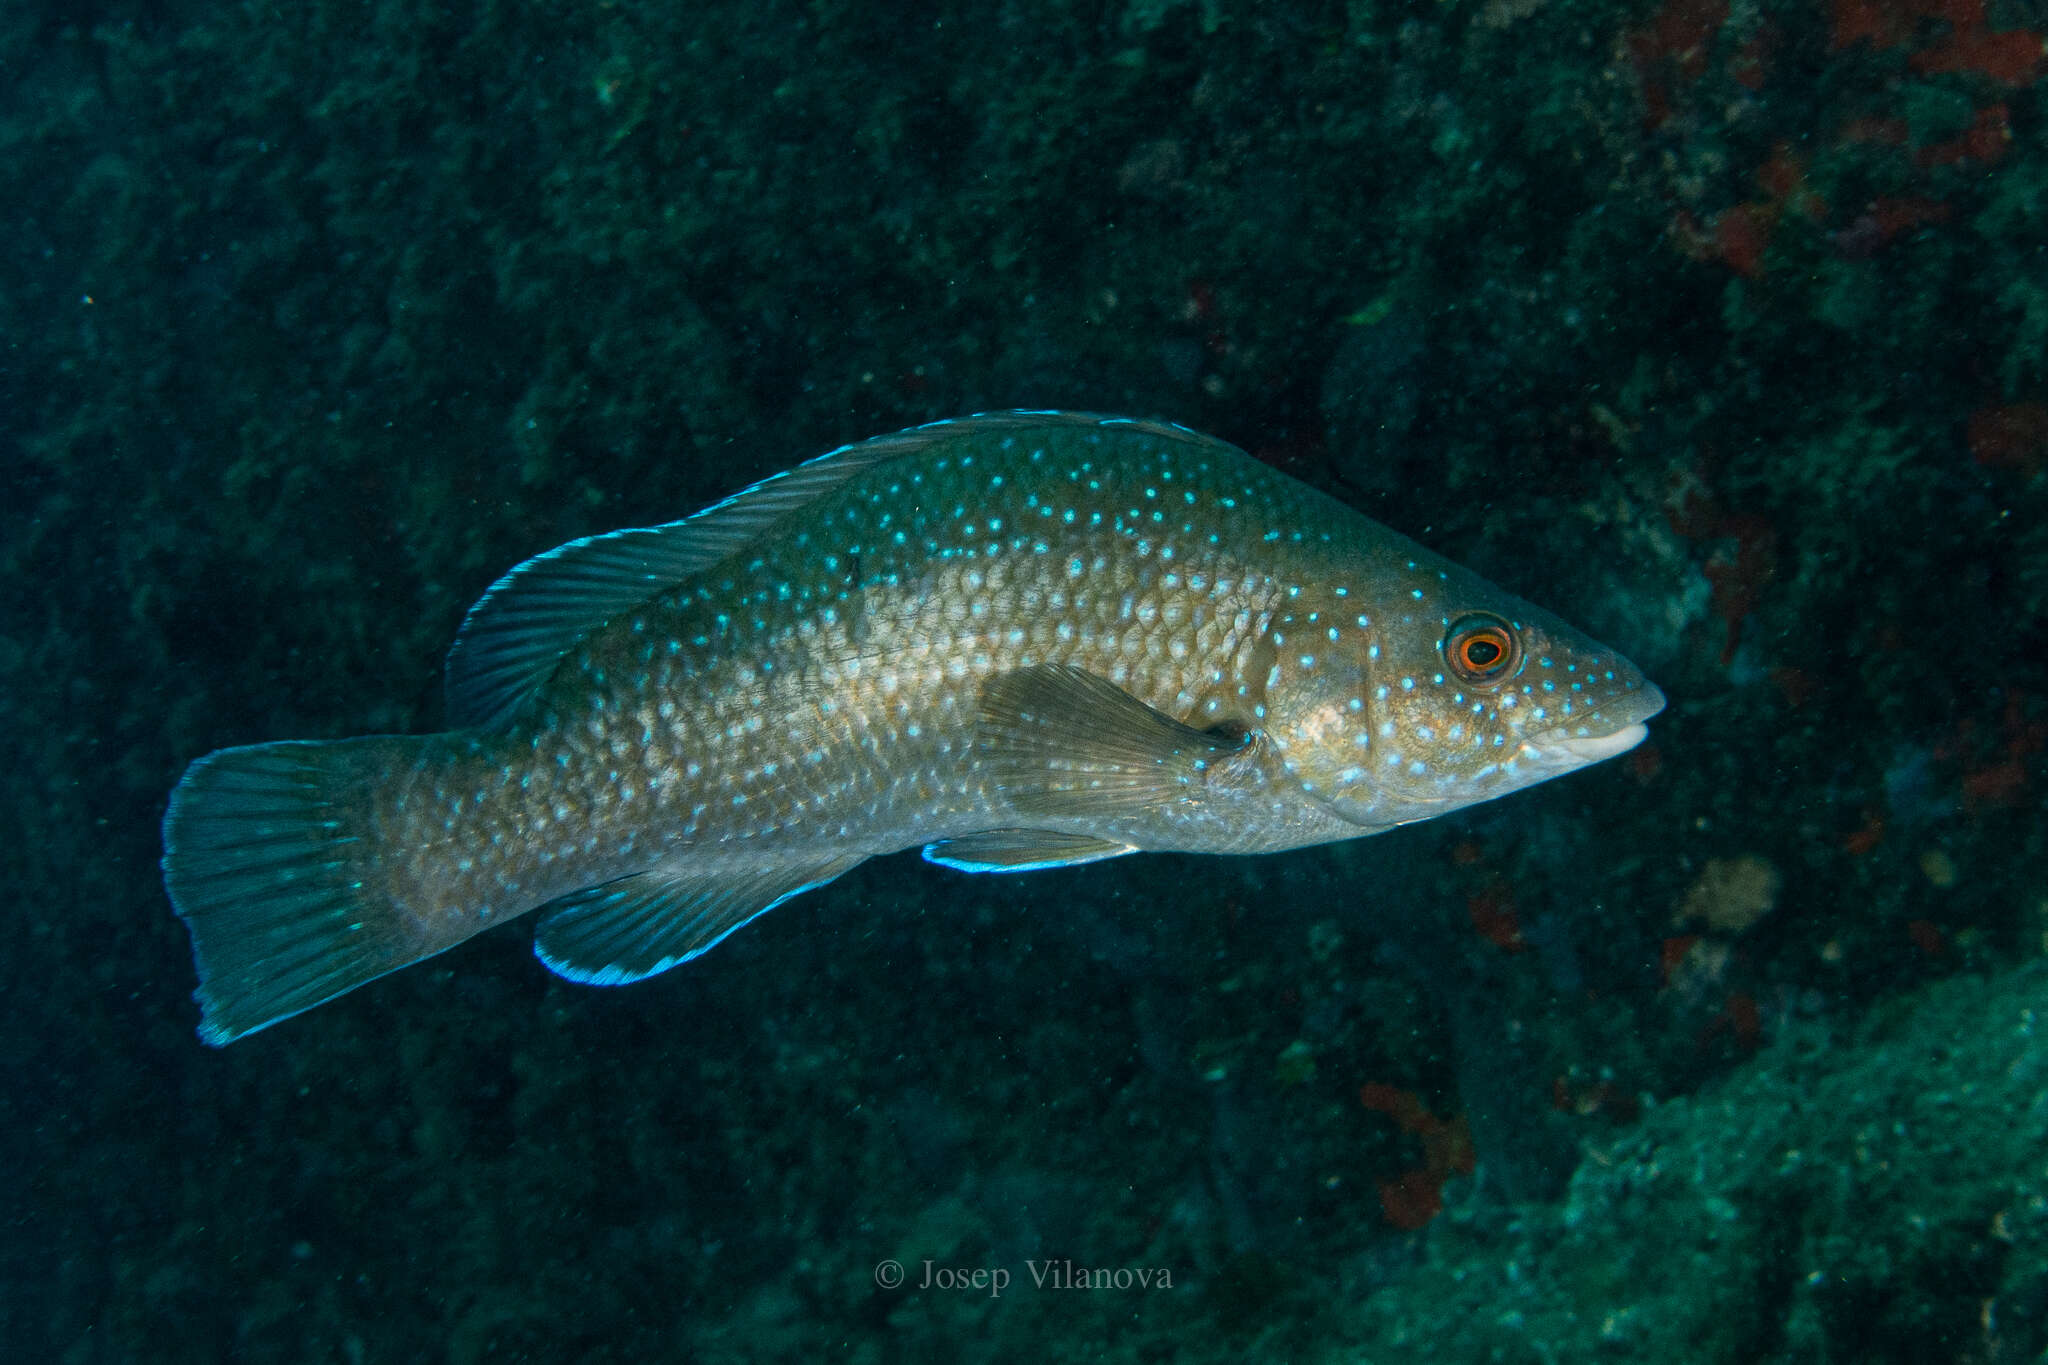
x: 1060, y: 741
x: 632, y: 928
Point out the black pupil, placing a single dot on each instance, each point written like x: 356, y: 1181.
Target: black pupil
x: 1483, y: 653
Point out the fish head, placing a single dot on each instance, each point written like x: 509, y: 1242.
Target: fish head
x: 1395, y: 706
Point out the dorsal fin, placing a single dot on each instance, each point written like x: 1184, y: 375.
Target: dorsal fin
x: 518, y: 631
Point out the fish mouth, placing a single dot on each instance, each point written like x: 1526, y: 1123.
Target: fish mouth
x: 1624, y: 728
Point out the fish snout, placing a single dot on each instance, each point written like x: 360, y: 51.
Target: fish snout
x: 1615, y: 728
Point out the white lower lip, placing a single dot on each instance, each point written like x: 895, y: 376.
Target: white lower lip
x: 1593, y: 748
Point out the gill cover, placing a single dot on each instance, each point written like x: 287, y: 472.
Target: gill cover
x: 1316, y: 712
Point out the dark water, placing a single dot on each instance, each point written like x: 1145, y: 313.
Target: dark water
x: 1723, y: 333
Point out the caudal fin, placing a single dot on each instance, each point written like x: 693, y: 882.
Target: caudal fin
x: 270, y: 860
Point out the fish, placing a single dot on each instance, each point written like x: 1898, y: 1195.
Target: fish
x: 1017, y: 640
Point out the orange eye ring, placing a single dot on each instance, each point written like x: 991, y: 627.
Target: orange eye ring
x: 1482, y: 649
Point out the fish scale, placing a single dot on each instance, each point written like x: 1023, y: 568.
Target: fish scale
x: 1020, y: 640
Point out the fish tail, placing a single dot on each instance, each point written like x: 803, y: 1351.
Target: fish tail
x: 271, y: 859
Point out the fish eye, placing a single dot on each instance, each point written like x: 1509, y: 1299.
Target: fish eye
x: 1482, y: 649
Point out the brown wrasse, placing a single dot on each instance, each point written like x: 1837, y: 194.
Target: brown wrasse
x: 1021, y: 640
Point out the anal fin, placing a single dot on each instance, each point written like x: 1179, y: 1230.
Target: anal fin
x: 1021, y: 850
x: 638, y: 926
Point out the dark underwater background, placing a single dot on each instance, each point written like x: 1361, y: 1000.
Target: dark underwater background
x: 1718, y: 326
